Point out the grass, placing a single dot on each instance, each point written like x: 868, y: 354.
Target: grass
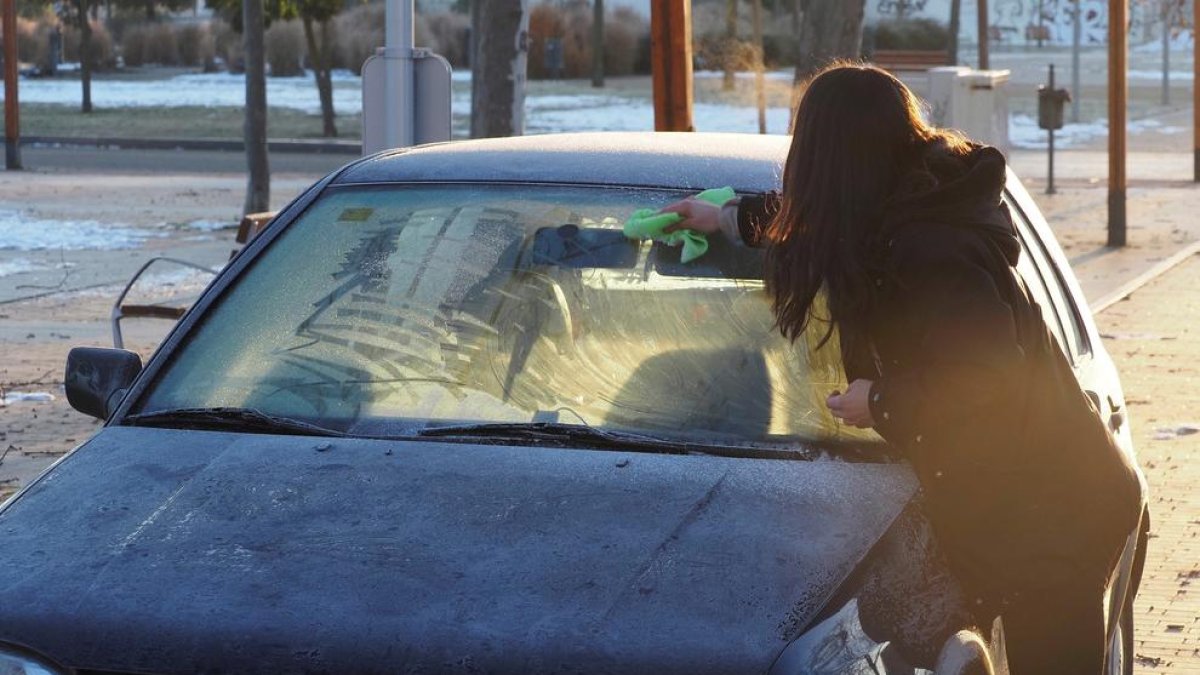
x: 41, y: 119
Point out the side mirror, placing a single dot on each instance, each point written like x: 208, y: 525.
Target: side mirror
x: 98, y: 378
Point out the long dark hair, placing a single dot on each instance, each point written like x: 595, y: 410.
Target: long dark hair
x: 857, y: 131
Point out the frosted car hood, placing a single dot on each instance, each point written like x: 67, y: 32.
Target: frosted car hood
x: 181, y: 551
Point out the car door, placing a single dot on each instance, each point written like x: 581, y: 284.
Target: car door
x: 1046, y: 272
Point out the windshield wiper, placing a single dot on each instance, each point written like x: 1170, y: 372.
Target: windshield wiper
x: 229, y: 419
x: 554, y: 433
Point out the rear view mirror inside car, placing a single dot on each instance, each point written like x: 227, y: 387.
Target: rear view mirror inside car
x: 583, y: 247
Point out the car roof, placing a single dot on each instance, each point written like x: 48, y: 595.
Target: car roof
x: 690, y: 161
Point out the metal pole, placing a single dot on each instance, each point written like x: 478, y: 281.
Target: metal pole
x: 399, y: 37
x: 671, y: 63
x: 1118, y: 44
x: 1050, y: 171
x: 1076, y: 39
x: 597, y: 43
x: 1166, y: 52
x: 12, y: 124
x: 983, y: 34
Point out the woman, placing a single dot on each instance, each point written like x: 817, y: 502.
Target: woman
x: 948, y: 358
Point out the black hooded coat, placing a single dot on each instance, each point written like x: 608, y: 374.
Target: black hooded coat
x: 1024, y: 484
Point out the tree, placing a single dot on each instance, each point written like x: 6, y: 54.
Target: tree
x: 731, y: 44
x: 258, y: 171
x: 315, y: 15
x: 498, y: 68
x: 829, y: 30
x: 85, y: 53
x: 597, y: 43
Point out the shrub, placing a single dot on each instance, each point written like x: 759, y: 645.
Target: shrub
x: 623, y: 31
x: 907, y: 34
x: 103, y: 55
x: 360, y: 32
x: 447, y: 35
x: 161, y: 47
x: 133, y: 46
x: 227, y: 44
x: 284, y: 49
x: 195, y: 42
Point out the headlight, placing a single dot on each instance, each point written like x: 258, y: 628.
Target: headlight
x: 13, y: 662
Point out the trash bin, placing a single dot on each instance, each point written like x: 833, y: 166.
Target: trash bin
x: 973, y: 101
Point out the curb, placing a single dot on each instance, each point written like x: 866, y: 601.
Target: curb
x: 1127, y: 289
x: 318, y: 147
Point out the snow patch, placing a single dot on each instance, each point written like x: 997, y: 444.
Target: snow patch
x: 8, y: 398
x: 1023, y: 131
x: 20, y: 232
x: 210, y: 225
x: 18, y: 266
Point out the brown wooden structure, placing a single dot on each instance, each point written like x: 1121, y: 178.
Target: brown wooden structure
x: 671, y: 64
x: 12, y: 125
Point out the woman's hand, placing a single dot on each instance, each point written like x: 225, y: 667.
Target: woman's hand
x: 853, y: 407
x: 698, y: 216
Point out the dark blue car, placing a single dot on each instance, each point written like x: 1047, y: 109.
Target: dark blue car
x: 441, y: 416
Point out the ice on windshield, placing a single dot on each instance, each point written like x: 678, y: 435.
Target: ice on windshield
x: 393, y: 308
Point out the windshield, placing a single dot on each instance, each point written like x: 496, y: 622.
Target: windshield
x: 393, y: 309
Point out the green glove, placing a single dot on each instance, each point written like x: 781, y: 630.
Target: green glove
x: 649, y: 224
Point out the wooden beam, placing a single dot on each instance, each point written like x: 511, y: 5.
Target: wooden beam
x: 671, y: 63
x: 1118, y: 91
x: 984, y: 34
x: 12, y: 124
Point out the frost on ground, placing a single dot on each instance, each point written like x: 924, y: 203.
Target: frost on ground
x: 18, y: 266
x: 1023, y: 131
x: 21, y: 232
x: 8, y: 398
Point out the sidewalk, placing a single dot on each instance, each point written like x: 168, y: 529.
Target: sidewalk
x: 1154, y: 337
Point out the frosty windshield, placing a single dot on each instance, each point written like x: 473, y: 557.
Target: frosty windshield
x: 392, y: 308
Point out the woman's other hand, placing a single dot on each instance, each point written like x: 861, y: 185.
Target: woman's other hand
x: 853, y: 407
x: 698, y: 216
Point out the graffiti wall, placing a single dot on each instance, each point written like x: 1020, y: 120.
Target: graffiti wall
x: 1021, y: 22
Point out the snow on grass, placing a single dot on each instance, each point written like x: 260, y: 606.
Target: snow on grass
x: 18, y: 266
x: 1023, y: 131
x: 205, y: 225
x: 20, y: 232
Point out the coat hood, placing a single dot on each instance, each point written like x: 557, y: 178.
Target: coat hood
x: 948, y: 187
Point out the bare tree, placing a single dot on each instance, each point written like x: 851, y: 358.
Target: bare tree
x: 829, y: 30
x: 85, y: 53
x: 597, y: 43
x: 731, y: 44
x: 952, y: 38
x: 498, y: 68
x: 258, y: 172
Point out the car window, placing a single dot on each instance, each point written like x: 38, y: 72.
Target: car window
x: 1070, y: 332
x: 391, y: 308
x: 1037, y: 286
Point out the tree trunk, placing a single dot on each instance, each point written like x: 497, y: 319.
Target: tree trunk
x: 498, y: 73
x: 318, y: 55
x: 760, y: 88
x: 149, y: 7
x: 952, y: 43
x: 597, y: 43
x: 731, y: 44
x: 258, y: 173
x: 829, y: 30
x: 85, y: 54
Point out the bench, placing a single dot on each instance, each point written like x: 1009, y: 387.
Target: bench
x: 901, y: 60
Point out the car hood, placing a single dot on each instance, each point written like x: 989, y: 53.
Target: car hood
x: 165, y: 550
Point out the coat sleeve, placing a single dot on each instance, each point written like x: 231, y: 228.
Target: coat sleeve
x: 956, y: 354
x: 754, y: 214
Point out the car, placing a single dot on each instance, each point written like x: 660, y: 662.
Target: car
x: 442, y: 416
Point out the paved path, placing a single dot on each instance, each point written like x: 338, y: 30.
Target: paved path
x: 1155, y: 339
